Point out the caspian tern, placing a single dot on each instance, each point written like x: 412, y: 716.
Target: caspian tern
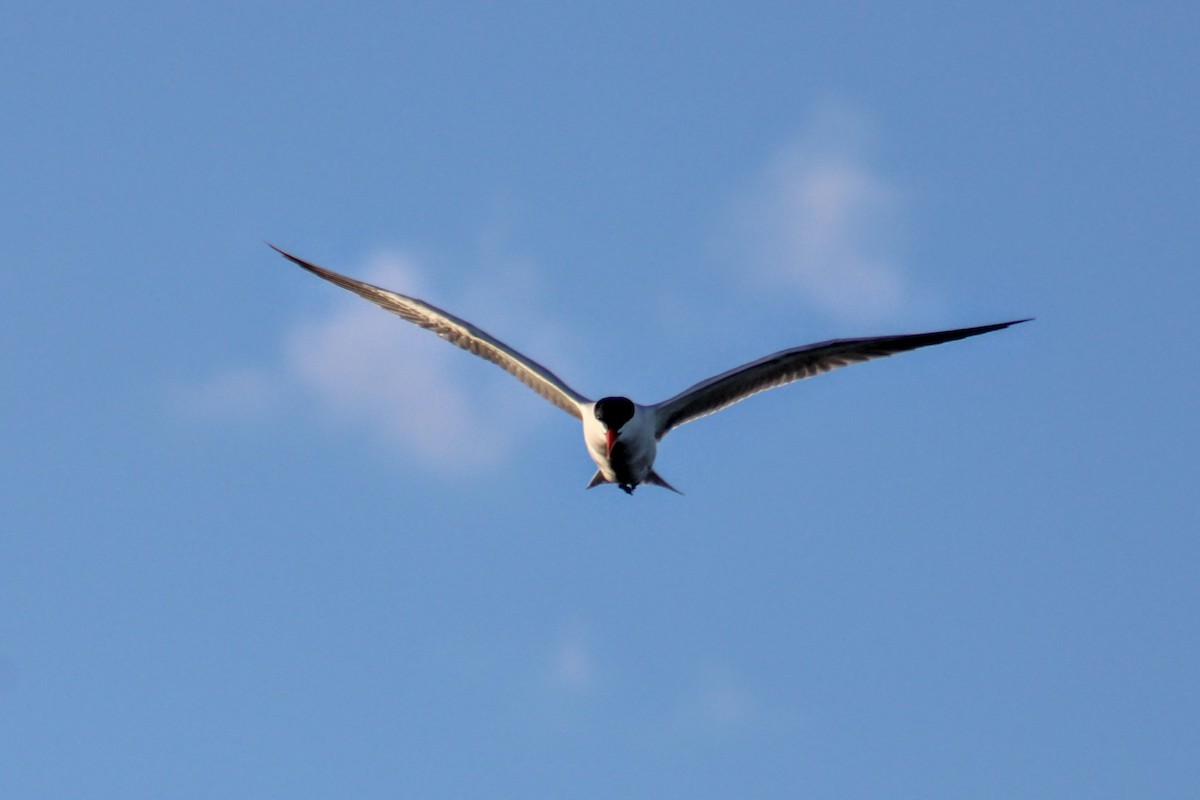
x: 622, y: 436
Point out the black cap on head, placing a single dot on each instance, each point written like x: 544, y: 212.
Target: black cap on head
x: 614, y: 411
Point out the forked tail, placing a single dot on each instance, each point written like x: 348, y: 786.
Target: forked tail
x: 653, y: 478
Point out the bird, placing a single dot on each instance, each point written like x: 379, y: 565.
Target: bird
x: 622, y: 436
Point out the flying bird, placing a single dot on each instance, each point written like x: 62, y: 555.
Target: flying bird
x: 622, y: 436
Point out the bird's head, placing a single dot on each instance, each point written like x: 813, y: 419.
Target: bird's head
x: 613, y: 413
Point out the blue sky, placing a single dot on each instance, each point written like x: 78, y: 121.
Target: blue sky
x: 260, y: 539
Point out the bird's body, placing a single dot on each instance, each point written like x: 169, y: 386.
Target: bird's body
x: 627, y: 459
x: 622, y: 436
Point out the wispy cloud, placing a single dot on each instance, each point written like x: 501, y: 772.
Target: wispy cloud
x: 822, y: 222
x: 571, y: 662
x: 715, y: 703
x: 237, y: 392
x: 367, y: 368
x: 691, y: 703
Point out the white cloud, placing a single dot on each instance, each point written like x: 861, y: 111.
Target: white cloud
x: 716, y: 703
x: 822, y: 222
x: 572, y: 665
x: 366, y: 365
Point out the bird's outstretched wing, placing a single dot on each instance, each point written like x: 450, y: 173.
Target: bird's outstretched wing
x: 791, y: 365
x: 460, y: 333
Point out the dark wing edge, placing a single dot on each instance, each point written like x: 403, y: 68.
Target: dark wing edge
x: 786, y: 366
x: 457, y: 332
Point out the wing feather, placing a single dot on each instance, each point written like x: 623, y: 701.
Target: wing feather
x: 795, y: 364
x: 457, y: 332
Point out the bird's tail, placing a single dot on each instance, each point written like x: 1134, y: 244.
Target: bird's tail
x: 653, y: 478
x: 657, y: 480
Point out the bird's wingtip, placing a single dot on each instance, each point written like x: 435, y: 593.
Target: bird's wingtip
x: 300, y: 262
x: 999, y: 326
x: 281, y: 251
